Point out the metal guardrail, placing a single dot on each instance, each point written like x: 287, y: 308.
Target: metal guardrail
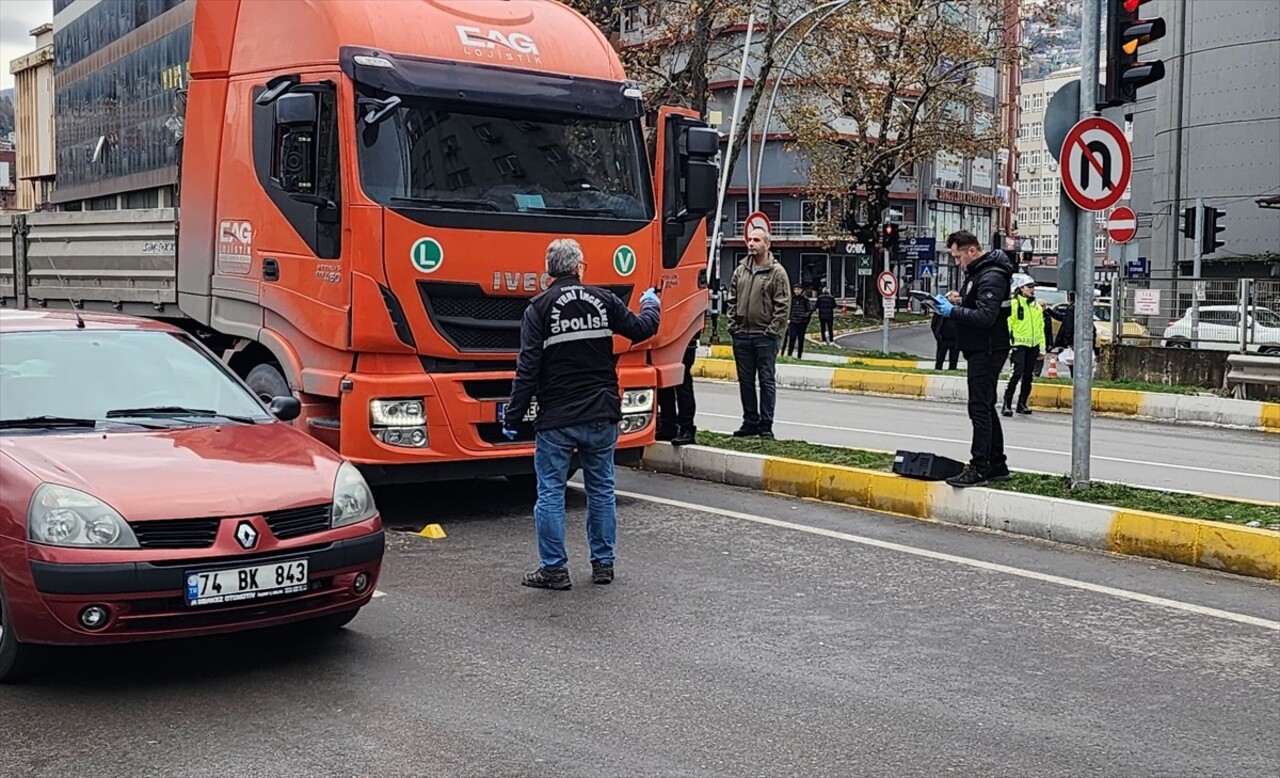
x: 1246, y: 370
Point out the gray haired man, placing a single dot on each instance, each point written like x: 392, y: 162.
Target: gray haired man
x: 567, y: 361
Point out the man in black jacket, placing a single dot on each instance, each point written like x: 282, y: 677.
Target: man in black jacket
x: 827, y: 315
x: 798, y: 326
x: 980, y: 311
x: 566, y: 359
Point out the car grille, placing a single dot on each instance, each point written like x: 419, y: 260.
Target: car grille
x: 181, y: 533
x: 473, y: 320
x: 299, y: 521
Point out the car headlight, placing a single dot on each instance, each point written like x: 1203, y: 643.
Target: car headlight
x: 409, y: 412
x: 352, y: 497
x: 62, y: 516
x: 637, y: 400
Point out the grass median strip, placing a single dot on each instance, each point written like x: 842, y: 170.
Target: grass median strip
x: 1115, y: 495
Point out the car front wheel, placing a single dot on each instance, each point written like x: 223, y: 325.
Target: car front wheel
x: 17, y: 660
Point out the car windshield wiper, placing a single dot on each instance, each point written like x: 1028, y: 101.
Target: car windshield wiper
x: 176, y: 410
x: 447, y: 202
x: 576, y: 211
x: 34, y: 422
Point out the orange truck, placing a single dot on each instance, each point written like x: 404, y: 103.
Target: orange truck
x: 367, y: 191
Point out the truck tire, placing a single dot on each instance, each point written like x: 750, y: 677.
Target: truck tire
x: 268, y: 383
x: 17, y: 660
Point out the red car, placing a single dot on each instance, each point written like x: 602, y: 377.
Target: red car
x: 146, y: 492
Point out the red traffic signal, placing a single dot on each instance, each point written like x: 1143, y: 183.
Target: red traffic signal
x: 1126, y: 33
x: 889, y: 235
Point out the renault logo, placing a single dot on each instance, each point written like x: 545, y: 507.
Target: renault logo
x: 246, y: 535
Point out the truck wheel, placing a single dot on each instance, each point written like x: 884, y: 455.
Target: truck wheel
x: 268, y: 383
x: 17, y: 660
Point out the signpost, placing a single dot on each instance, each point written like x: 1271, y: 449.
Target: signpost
x: 757, y: 220
x: 1096, y: 164
x: 887, y: 284
x: 1122, y: 225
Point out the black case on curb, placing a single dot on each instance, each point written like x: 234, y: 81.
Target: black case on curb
x: 925, y: 466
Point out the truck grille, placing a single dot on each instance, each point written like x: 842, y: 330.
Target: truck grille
x: 473, y: 320
x: 181, y: 533
x: 299, y: 521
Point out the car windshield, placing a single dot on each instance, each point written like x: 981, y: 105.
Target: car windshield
x: 98, y: 374
x: 1266, y: 317
x: 1051, y: 296
x: 431, y: 154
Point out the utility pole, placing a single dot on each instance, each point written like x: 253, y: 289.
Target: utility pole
x: 1195, y: 272
x: 1082, y: 372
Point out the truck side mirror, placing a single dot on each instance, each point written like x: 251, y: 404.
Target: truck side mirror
x: 296, y: 116
x: 701, y: 186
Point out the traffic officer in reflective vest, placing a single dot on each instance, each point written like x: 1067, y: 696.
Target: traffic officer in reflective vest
x: 566, y: 359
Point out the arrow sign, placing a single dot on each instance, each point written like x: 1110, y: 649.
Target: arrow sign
x: 1122, y: 225
x: 887, y: 283
x: 1096, y: 164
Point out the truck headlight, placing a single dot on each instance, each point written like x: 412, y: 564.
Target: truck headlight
x: 352, y: 497
x: 399, y: 422
x: 62, y: 516
x: 637, y: 400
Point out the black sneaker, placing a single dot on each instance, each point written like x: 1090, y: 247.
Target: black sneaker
x: 1006, y: 411
x: 1024, y: 411
x: 970, y: 477
x: 543, y: 578
x: 766, y: 434
x: 746, y: 431
x: 687, y: 436
x: 1000, y: 474
x: 601, y: 573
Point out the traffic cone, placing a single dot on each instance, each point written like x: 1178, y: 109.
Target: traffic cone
x: 1053, y: 366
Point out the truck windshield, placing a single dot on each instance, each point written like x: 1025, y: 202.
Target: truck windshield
x: 432, y: 154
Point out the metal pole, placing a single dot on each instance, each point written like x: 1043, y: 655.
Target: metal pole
x: 733, y: 134
x: 1245, y: 284
x: 1195, y: 273
x: 885, y: 350
x: 1082, y: 392
x: 1117, y: 298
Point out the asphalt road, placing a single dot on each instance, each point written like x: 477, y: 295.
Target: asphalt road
x: 917, y: 339
x: 1165, y: 456
x: 783, y: 638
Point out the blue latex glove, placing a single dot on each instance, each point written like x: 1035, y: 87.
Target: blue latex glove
x: 650, y: 296
x: 944, y: 305
x: 510, y: 433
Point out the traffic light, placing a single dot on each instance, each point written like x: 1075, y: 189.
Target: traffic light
x: 1209, y: 242
x: 1189, y: 222
x: 889, y: 236
x: 1126, y: 33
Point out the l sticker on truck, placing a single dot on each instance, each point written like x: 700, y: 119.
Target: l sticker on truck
x: 427, y: 255
x: 624, y: 260
x: 235, y: 247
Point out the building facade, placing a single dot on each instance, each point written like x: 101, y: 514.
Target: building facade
x: 35, y: 163
x: 118, y: 68
x: 1211, y: 130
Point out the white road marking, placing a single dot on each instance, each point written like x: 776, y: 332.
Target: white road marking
x: 1110, y: 591
x: 378, y: 593
x: 936, y: 439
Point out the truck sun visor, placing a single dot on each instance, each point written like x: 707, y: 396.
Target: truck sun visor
x: 488, y: 85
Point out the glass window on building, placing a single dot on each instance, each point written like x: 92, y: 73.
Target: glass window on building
x: 813, y: 271
x: 946, y: 220
x: 978, y: 221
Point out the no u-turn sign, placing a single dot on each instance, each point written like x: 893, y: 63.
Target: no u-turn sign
x: 1096, y: 164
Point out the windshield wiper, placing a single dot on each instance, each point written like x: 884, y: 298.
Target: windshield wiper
x: 577, y: 211
x: 176, y: 410
x: 446, y: 202
x: 47, y: 421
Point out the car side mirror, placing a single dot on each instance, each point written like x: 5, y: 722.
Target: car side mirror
x: 286, y: 408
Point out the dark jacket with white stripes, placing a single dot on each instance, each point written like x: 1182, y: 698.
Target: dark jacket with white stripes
x: 566, y: 354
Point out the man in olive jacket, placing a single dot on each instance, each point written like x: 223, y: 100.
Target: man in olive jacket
x: 759, y: 306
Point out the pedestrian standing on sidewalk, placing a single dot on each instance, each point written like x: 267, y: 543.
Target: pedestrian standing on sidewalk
x: 944, y: 331
x: 566, y: 360
x: 827, y: 316
x: 798, y: 325
x: 677, y: 406
x: 1026, y: 337
x: 980, y: 311
x: 1065, y: 340
x: 759, y: 306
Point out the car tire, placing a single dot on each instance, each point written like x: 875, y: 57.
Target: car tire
x: 1270, y: 351
x: 17, y: 660
x: 1179, y: 344
x: 268, y: 383
x: 331, y: 623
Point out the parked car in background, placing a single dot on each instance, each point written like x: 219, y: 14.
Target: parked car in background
x: 146, y: 492
x: 1220, y: 329
x: 1134, y: 334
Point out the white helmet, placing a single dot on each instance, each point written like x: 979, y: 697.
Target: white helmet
x: 1020, y: 280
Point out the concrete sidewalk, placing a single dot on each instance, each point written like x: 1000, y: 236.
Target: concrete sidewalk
x: 1208, y: 544
x: 1177, y: 408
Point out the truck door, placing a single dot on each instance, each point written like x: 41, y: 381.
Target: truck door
x: 686, y: 173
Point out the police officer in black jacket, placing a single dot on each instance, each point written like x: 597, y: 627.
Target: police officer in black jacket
x: 566, y: 359
x: 980, y: 312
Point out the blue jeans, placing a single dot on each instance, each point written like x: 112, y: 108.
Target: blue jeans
x: 757, y: 355
x: 553, y: 451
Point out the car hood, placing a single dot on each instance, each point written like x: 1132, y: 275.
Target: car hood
x: 193, y: 472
